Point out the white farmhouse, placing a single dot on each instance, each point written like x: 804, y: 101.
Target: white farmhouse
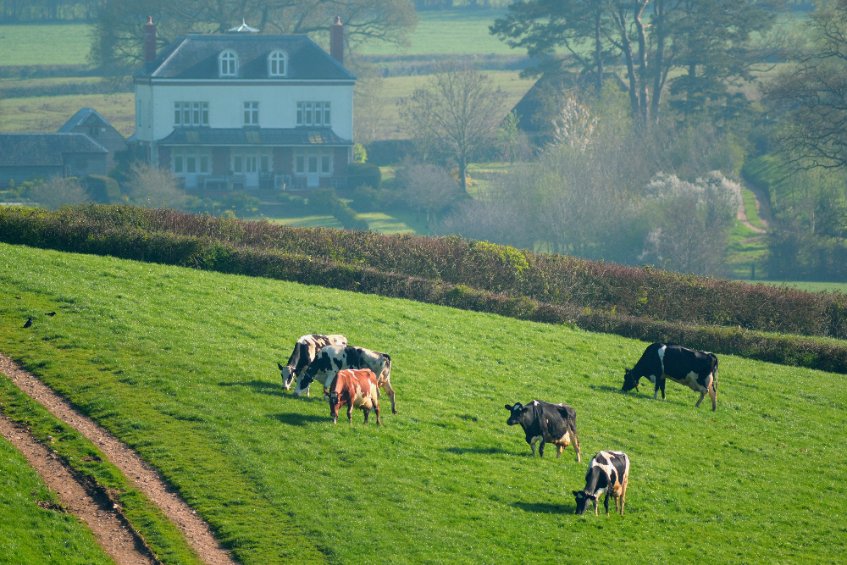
x: 242, y: 109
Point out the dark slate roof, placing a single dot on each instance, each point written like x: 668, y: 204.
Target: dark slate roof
x: 268, y: 137
x: 43, y: 149
x: 196, y: 57
x: 83, y: 117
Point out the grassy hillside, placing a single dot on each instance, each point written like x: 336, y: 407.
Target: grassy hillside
x: 32, y: 530
x: 182, y: 366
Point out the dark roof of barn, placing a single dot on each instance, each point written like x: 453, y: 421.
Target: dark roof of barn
x: 44, y: 149
x: 268, y: 137
x: 196, y: 57
x: 84, y: 117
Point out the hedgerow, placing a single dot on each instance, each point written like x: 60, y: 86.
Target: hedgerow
x: 464, y: 274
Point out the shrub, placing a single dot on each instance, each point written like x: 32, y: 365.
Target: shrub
x: 102, y: 189
x: 363, y: 174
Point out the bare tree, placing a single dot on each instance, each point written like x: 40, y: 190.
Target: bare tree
x: 56, y: 192
x: 428, y: 188
x: 117, y: 35
x: 456, y: 115
x: 154, y: 187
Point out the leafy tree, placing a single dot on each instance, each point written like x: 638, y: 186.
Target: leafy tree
x: 118, y: 29
x: 456, y: 115
x: 705, y: 38
x: 811, y: 96
x: 428, y: 188
x: 153, y: 187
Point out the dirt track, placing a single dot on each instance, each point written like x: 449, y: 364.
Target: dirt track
x: 100, y: 515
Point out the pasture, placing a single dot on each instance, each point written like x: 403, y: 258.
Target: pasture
x: 181, y: 365
x: 30, y: 530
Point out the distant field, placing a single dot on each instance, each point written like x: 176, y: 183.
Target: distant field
x: 47, y: 113
x: 449, y: 31
x: 36, y: 44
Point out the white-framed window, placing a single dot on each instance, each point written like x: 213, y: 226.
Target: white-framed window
x: 251, y: 113
x: 228, y: 63
x: 313, y: 114
x: 191, y: 113
x: 313, y: 162
x: 278, y: 63
x: 251, y: 161
x: 186, y: 162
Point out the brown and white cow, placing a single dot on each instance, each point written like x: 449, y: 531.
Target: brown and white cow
x: 333, y: 358
x: 698, y: 370
x: 608, y: 472
x: 357, y: 388
x: 305, y: 351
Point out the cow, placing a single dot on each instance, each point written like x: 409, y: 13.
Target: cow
x: 608, y: 472
x: 357, y: 388
x: 554, y: 423
x: 305, y: 351
x: 696, y: 369
x: 333, y: 358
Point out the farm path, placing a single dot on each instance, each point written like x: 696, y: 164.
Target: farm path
x: 197, y: 533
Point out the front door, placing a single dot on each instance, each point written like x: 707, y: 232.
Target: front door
x: 249, y: 164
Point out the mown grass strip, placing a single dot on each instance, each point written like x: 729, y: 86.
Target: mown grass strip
x: 160, y: 535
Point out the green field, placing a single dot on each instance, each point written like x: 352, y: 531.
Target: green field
x: 181, y: 365
x: 444, y: 32
x: 45, y: 44
x: 33, y: 529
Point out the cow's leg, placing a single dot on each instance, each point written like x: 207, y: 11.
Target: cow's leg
x: 376, y: 409
x: 663, y: 381
x: 606, y: 501
x: 560, y: 447
x: 713, y: 393
x: 390, y: 392
x: 596, y: 508
x: 367, y: 412
x: 623, y: 494
x: 350, y: 413
x: 576, y: 444
x: 541, y: 448
x: 699, y: 400
x: 532, y: 443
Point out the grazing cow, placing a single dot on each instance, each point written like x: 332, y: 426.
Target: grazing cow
x: 333, y: 358
x: 357, y: 388
x: 608, y: 472
x: 543, y: 421
x: 305, y: 351
x: 696, y: 369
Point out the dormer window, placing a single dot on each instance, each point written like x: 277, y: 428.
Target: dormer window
x: 228, y: 63
x: 278, y: 64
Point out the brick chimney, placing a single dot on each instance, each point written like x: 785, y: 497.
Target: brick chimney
x: 149, y: 42
x: 336, y: 40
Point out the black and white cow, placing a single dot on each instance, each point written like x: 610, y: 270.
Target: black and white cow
x: 608, y: 472
x: 305, y: 351
x: 696, y: 369
x: 333, y: 358
x: 546, y: 422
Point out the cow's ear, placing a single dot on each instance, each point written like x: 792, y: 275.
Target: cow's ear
x: 576, y: 492
x: 278, y: 364
x: 509, y: 408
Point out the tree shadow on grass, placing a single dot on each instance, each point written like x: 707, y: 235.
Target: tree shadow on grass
x: 297, y: 419
x: 261, y: 387
x: 545, y: 507
x: 477, y: 450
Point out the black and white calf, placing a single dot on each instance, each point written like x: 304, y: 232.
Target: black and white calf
x: 333, y: 358
x: 696, y: 369
x: 608, y: 472
x: 305, y: 351
x: 546, y: 422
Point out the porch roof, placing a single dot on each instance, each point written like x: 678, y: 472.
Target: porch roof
x: 254, y: 137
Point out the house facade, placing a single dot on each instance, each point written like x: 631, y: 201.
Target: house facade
x: 244, y: 110
x: 88, y: 121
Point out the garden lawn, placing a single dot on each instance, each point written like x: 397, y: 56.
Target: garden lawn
x: 182, y: 366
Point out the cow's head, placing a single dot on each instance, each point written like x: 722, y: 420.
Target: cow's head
x: 517, y: 413
x: 582, y: 499
x: 630, y: 380
x: 288, y: 375
x: 303, y: 382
